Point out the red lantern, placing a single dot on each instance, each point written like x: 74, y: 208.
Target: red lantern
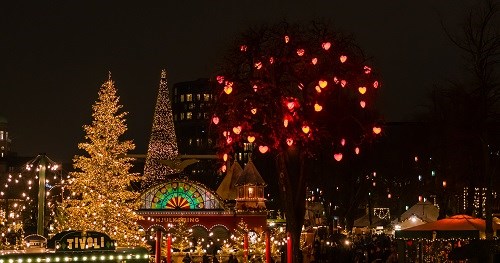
x: 343, y: 59
x: 215, y: 120
x: 237, y: 129
x: 263, y: 149
x: 317, y: 107
x: 338, y: 157
x: 356, y: 150
x: 362, y: 90
x: 326, y: 45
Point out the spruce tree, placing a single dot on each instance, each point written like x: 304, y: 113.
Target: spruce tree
x: 163, y: 142
x: 100, y: 193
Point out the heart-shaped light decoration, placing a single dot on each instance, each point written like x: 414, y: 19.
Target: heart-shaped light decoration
x: 229, y: 140
x: 362, y: 90
x: 290, y: 105
x: 263, y: 149
x: 220, y: 79
x: 326, y: 45
x: 377, y: 130
x: 258, y: 65
x: 343, y: 83
x: 342, y: 142
x: 225, y: 133
x: 322, y: 83
x: 215, y: 120
x: 314, y: 61
x: 300, y: 86
x: 224, y: 157
x: 223, y: 168
x: 243, y: 48
x: 300, y: 52
x: 375, y: 84
x: 343, y: 59
x: 285, y: 123
x: 356, y: 150
x: 271, y: 60
x: 367, y: 70
x: 251, y: 139
x: 254, y: 110
x: 289, y: 141
x: 228, y: 89
x: 389, y: 196
x: 237, y: 129
x: 338, y: 157
x: 255, y: 88
x: 362, y: 104
x: 318, y: 89
x: 287, y: 39
x: 305, y: 129
x: 317, y: 107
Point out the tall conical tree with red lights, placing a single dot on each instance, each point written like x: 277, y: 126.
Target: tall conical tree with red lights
x: 163, y: 142
x: 296, y: 91
x: 101, y: 198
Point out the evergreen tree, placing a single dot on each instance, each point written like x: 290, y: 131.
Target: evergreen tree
x: 101, y: 198
x: 163, y: 142
x: 181, y: 236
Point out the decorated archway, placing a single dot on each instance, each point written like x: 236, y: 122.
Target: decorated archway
x: 180, y: 195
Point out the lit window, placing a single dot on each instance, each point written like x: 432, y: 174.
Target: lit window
x: 1, y: 135
x: 190, y: 141
x: 206, y: 97
x: 189, y: 97
x: 182, y: 115
x: 199, y: 116
x: 198, y: 142
x: 189, y: 115
x: 191, y: 106
x: 251, y: 192
x: 182, y: 98
x: 198, y: 97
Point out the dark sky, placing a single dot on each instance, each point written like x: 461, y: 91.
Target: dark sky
x: 54, y: 55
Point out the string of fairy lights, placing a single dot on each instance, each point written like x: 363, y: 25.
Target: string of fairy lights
x: 19, y: 195
x: 163, y: 142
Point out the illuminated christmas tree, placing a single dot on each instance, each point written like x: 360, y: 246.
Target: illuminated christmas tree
x: 163, y: 142
x: 181, y: 236
x: 295, y: 92
x: 100, y: 194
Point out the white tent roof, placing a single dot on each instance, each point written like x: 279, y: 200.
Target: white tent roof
x: 425, y: 211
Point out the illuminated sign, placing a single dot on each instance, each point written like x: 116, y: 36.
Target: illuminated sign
x: 85, y: 241
x: 177, y: 219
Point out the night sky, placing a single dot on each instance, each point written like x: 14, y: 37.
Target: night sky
x: 54, y: 55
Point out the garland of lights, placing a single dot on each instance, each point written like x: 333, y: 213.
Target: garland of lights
x: 163, y: 142
x: 100, y: 197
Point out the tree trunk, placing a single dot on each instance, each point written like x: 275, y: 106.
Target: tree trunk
x: 292, y: 183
